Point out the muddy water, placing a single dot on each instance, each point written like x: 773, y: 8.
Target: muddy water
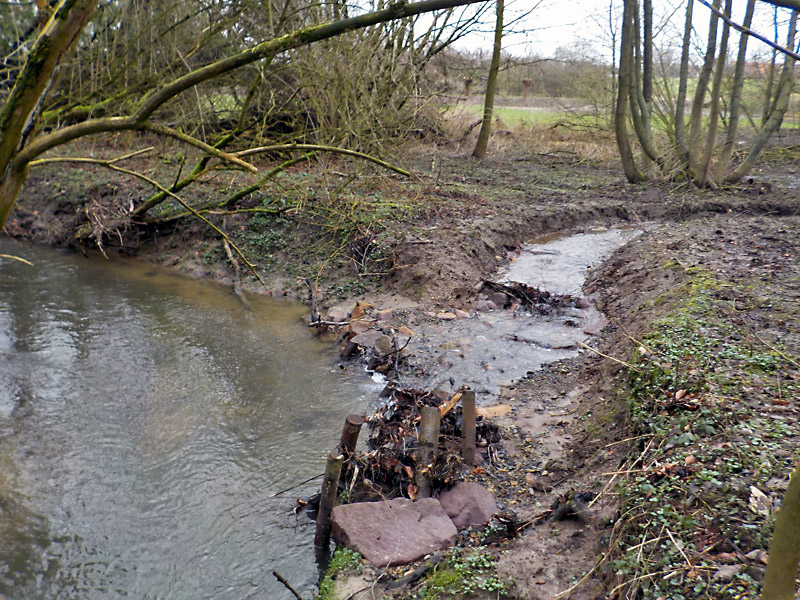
x: 496, y: 348
x: 145, y: 420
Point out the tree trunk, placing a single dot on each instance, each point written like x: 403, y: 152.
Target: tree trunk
x: 683, y: 80
x: 696, y: 118
x: 632, y: 173
x: 780, y: 106
x: 784, y: 551
x: 771, y: 73
x: 20, y: 111
x: 491, y: 85
x: 716, y: 91
x: 641, y: 90
x: 736, y: 95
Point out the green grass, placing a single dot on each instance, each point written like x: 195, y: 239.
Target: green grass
x: 343, y: 560
x: 458, y: 575
x: 519, y: 116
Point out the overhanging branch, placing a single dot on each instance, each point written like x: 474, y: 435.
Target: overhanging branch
x: 793, y: 4
x: 265, y: 50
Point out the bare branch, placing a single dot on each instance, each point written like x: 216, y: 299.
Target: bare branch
x: 793, y: 4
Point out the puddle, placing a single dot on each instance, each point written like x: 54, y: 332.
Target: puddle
x: 492, y: 349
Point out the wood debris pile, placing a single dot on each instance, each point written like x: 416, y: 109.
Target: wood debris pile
x: 513, y: 295
x: 388, y: 469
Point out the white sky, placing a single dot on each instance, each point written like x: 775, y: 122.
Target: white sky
x: 584, y: 23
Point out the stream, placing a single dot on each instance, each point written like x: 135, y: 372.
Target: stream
x: 493, y: 349
x: 145, y: 422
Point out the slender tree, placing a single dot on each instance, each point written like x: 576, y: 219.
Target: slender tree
x: 695, y: 150
x: 491, y: 85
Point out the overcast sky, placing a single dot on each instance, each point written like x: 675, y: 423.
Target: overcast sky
x: 583, y: 24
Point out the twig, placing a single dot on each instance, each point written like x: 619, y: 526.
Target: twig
x: 630, y: 439
x: 357, y: 592
x: 616, y: 360
x: 280, y: 578
x: 614, y: 476
x: 54, y: 159
x: 318, y: 148
x: 297, y: 485
x: 12, y: 257
x: 629, y: 336
x: 237, y: 271
x: 329, y: 323
x: 774, y: 349
x: 568, y: 591
x: 678, y: 546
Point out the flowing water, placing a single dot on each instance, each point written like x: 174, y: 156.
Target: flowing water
x: 496, y: 348
x: 145, y: 422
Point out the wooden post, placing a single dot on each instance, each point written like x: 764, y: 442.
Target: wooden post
x: 352, y: 427
x: 427, y: 449
x: 330, y: 487
x: 468, y: 427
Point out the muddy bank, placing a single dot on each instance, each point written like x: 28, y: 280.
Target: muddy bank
x: 571, y: 432
x: 429, y: 238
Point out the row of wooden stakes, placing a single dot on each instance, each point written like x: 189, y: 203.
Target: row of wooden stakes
x: 427, y: 450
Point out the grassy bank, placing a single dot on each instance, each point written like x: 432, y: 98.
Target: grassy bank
x: 711, y: 394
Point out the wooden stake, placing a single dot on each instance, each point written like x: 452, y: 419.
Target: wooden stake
x: 468, y: 427
x: 427, y: 449
x: 349, y: 439
x: 330, y: 487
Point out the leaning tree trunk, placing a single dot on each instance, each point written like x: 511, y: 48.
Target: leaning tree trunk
x: 491, y: 85
x: 19, y: 112
x: 784, y: 551
x: 632, y: 173
x: 778, y: 111
x: 696, y: 118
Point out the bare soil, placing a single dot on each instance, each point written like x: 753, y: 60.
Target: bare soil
x: 453, y: 225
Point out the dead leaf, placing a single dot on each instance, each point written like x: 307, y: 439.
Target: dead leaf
x: 488, y: 412
x: 359, y: 309
x: 412, y: 491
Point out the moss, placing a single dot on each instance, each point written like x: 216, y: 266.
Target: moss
x: 343, y: 561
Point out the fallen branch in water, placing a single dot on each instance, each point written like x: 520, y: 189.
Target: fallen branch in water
x: 297, y: 485
x: 280, y: 578
x: 12, y: 257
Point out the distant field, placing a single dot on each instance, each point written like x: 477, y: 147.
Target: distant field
x: 519, y: 116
